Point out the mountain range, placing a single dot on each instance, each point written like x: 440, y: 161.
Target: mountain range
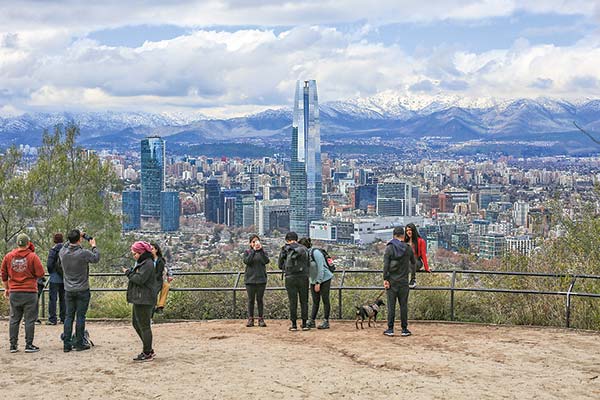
x: 389, y: 117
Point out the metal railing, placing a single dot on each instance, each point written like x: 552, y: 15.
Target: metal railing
x: 568, y: 293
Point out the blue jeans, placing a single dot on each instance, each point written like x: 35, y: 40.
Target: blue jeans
x: 57, y: 293
x: 77, y: 303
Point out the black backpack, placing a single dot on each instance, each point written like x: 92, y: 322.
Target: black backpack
x: 58, y: 265
x: 328, y: 260
x: 296, y: 260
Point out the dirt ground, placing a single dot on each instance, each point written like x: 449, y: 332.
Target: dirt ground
x: 225, y: 360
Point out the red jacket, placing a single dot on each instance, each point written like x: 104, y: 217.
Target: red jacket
x: 422, y: 252
x: 22, y: 268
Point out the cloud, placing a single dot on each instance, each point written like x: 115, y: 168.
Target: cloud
x: 423, y: 86
x: 541, y: 83
x: 455, y: 85
x: 48, y: 60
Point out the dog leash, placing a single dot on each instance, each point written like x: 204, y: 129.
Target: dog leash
x: 380, y: 294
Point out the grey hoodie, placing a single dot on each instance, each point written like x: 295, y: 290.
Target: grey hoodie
x: 75, y: 262
x: 397, y: 261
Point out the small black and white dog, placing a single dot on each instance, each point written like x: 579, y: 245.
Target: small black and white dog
x: 370, y: 312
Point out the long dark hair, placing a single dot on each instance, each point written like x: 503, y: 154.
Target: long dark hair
x: 415, y: 235
x: 158, y: 250
x: 306, y: 242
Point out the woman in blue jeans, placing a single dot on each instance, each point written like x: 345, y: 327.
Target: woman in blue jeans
x: 320, y: 278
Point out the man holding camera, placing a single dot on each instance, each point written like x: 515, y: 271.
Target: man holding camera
x: 75, y: 263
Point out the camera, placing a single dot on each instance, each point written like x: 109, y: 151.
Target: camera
x: 86, y: 237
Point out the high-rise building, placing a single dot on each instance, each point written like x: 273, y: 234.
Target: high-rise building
x: 364, y: 196
x: 212, y: 195
x: 306, y: 186
x: 492, y: 245
x: 170, y: 209
x: 244, y: 208
x: 153, y: 175
x: 394, y: 199
x: 272, y: 215
x: 227, y: 206
x: 520, y: 211
x: 131, y: 210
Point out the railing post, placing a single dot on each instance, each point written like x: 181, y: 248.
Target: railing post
x: 568, y: 310
x: 452, y: 295
x: 237, y: 281
x: 340, y: 291
x: 43, y: 304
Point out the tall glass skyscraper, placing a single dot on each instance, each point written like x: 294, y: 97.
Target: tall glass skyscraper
x: 306, y: 185
x: 153, y: 174
x: 212, y: 195
x: 131, y: 210
x: 170, y: 210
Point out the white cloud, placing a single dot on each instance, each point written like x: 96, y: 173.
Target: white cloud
x: 44, y: 65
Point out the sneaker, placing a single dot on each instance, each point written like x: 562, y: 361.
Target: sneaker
x: 311, y: 323
x: 405, y: 332
x: 389, y: 332
x: 250, y: 322
x: 51, y: 323
x: 305, y: 328
x: 142, y: 357
x: 261, y: 322
x: 412, y: 284
x: 324, y: 324
x: 30, y: 348
x: 293, y: 328
x: 38, y: 322
x: 83, y: 347
x: 158, y: 310
x: 67, y: 349
x: 14, y: 348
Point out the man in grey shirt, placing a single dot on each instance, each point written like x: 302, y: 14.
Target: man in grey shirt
x: 75, y: 263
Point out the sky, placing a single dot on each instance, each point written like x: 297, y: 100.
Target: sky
x: 225, y: 58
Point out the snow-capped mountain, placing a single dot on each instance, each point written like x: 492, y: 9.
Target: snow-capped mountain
x: 387, y: 114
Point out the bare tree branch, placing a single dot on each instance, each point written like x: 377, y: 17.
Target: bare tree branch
x: 586, y: 134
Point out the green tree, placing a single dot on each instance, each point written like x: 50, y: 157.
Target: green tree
x: 16, y: 198
x: 72, y: 188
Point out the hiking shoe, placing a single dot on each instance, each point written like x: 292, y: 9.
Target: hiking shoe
x: 389, y: 332
x: 250, y: 322
x: 83, y: 347
x: 14, y: 348
x: 67, y: 349
x: 412, y: 284
x: 324, y: 324
x: 405, y: 332
x: 158, y: 310
x: 142, y: 357
x: 30, y: 348
x: 293, y: 328
x: 261, y: 323
x: 311, y: 323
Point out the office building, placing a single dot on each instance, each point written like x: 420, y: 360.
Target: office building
x: 394, y: 199
x: 170, y: 210
x: 152, y: 175
x: 212, y: 195
x: 131, y: 210
x: 305, y: 168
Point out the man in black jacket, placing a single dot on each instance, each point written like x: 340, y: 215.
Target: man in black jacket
x: 397, y: 261
x: 293, y: 260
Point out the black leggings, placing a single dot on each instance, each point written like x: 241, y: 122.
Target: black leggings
x: 142, y: 315
x: 255, y: 292
x: 316, y: 298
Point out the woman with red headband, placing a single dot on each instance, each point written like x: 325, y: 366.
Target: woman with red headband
x: 142, y: 294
